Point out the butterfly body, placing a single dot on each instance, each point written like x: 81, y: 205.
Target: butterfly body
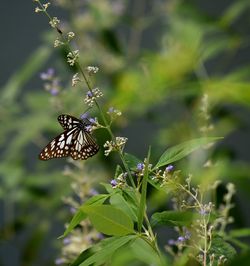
x: 75, y: 141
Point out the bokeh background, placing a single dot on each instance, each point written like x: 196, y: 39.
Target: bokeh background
x: 177, y: 70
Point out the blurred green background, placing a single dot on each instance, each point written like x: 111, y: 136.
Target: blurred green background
x: 176, y: 69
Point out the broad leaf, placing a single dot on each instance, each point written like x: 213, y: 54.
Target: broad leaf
x: 241, y: 259
x: 180, y: 151
x: 220, y: 247
x: 109, y: 220
x: 80, y: 215
x: 145, y: 253
x: 87, y: 253
x: 172, y: 218
x: 101, y: 252
x: 243, y: 232
x: 119, y: 202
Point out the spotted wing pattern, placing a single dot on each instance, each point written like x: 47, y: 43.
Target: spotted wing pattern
x: 68, y: 121
x: 75, y: 141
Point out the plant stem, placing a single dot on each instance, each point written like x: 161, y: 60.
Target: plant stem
x: 151, y: 239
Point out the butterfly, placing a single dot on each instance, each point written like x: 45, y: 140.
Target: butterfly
x: 75, y: 141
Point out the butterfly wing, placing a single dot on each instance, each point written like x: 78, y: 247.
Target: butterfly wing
x: 59, y: 146
x: 68, y: 122
x: 83, y: 146
x: 75, y: 141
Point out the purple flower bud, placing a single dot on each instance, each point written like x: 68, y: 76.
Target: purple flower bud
x: 93, y: 192
x: 140, y: 166
x: 181, y: 239
x: 169, y: 168
x: 100, y: 236
x: 111, y: 109
x: 47, y: 75
x: 51, y: 71
x: 89, y: 94
x: 88, y: 128
x: 66, y: 241
x: 84, y: 116
x: 92, y: 120
x: 171, y: 242
x: 54, y: 91
x: 72, y: 210
x: 59, y: 261
x: 203, y: 212
x: 113, y: 183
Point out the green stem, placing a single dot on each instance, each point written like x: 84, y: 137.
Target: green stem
x: 105, y: 122
x: 107, y: 126
x: 142, y: 206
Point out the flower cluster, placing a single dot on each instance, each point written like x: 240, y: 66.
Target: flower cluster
x: 113, y: 113
x: 116, y: 145
x: 119, y: 182
x: 58, y: 42
x: 54, y: 22
x: 52, y: 83
x: 202, y: 228
x: 92, y: 95
x: 72, y: 57
x: 92, y: 70
x: 75, y: 79
x: 206, y: 124
x: 164, y: 176
x: 84, y: 235
x: 42, y: 8
x: 181, y: 239
x: 70, y: 36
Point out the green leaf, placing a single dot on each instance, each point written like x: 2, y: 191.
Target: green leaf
x: 142, y: 206
x: 80, y: 215
x: 179, y: 151
x: 119, y: 202
x: 241, y: 259
x: 145, y: 253
x: 243, y: 232
x: 102, y: 252
x: 130, y: 197
x: 233, y: 12
x: 87, y: 253
x: 107, y: 249
x: 131, y: 161
x: 108, y: 188
x: 220, y: 247
x: 109, y: 220
x: 172, y: 218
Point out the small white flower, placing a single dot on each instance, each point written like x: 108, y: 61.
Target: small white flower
x: 54, y: 22
x: 46, y: 5
x: 114, y: 112
x: 72, y: 57
x: 92, y: 69
x: 92, y: 95
x: 118, y: 144
x: 57, y: 42
x: 37, y: 10
x: 70, y: 35
x: 75, y: 79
